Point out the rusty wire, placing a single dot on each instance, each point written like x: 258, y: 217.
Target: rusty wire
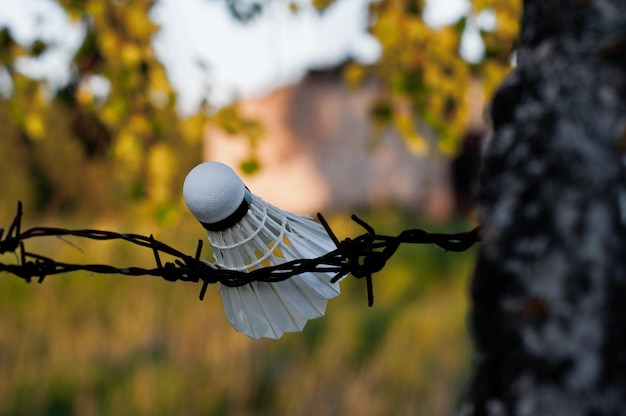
x: 361, y: 256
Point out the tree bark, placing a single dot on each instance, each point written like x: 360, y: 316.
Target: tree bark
x: 549, y: 291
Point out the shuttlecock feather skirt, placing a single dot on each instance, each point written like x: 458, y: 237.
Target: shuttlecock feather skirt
x: 268, y: 236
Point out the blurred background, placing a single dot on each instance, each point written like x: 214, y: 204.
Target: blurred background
x: 333, y: 106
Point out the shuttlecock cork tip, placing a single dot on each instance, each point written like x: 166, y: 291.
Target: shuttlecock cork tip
x: 213, y: 193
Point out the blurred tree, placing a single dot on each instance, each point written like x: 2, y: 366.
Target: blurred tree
x: 114, y: 132
x: 426, y: 80
x: 424, y: 75
x: 548, y: 311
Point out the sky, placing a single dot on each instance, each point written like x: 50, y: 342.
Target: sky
x: 29, y: 20
x: 208, y: 55
x: 274, y: 48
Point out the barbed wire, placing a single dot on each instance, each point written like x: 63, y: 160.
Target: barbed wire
x: 360, y: 257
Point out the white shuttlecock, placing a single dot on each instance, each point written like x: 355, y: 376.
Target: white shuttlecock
x: 247, y: 233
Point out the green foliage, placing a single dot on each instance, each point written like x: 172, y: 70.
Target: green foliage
x: 250, y: 166
x: 79, y: 149
x: 425, y: 78
x: 230, y: 121
x: 130, y: 145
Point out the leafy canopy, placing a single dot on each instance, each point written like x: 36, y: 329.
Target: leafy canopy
x: 112, y: 134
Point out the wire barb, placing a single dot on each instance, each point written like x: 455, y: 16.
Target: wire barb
x: 361, y: 257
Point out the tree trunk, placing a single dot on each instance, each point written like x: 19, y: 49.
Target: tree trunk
x: 549, y: 291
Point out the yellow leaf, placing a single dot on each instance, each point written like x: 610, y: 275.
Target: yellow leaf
x: 161, y: 166
x: 109, y: 44
x: 139, y: 125
x: 128, y: 149
x: 130, y: 54
x: 83, y: 95
x: 34, y: 126
x: 191, y: 128
x: 353, y: 74
x: 416, y: 144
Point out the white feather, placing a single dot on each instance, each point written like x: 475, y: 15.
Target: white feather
x: 268, y: 236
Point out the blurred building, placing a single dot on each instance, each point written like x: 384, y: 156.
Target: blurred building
x: 319, y: 153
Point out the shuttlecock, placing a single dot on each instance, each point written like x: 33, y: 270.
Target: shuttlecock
x: 247, y: 233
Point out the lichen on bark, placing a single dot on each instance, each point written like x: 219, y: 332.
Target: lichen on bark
x: 549, y: 290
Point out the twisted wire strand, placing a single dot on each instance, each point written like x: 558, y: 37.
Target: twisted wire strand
x: 361, y: 256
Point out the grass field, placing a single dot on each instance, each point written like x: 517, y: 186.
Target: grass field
x: 114, y: 345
